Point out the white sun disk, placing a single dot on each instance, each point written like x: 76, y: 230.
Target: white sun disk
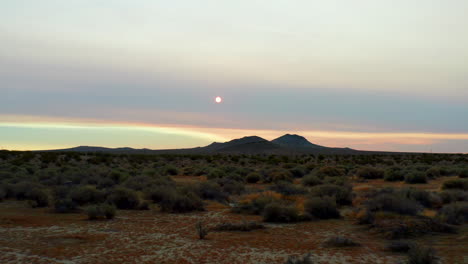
x: 218, y: 99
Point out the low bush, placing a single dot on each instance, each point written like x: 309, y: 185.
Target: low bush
x: 210, y: 190
x: 170, y: 170
x: 306, y: 259
x: 3, y: 194
x: 202, y: 231
x: 39, y: 198
x: 434, y: 172
x: 298, y: 171
x: 427, y: 199
x: 422, y: 255
x: 255, y: 203
x: 342, y: 194
x: 287, y: 188
x: 450, y: 196
x: 231, y: 186
x: 321, y: 207
x: 415, y: 177
x: 100, y: 211
x: 253, y: 177
x: 340, y: 241
x: 63, y: 206
x: 394, y: 174
x: 329, y: 171
x: 400, y: 246
x: 243, y: 226
x: 461, y: 184
x: 181, y: 202
x: 454, y: 213
x: 280, y: 175
x: 124, y: 198
x: 159, y: 193
x: 370, y: 173
x: 215, y: 174
x: 311, y: 180
x: 392, y: 202
x: 280, y: 213
x: 463, y: 173
x: 86, y: 195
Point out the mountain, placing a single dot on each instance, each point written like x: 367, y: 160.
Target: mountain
x: 294, y: 141
x: 288, y: 144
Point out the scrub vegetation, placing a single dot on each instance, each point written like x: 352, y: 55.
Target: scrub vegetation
x: 399, y: 205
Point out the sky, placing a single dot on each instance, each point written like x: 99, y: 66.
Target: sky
x: 365, y: 74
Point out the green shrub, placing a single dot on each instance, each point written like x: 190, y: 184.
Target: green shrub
x: 253, y: 177
x: 287, y: 188
x: 280, y: 175
x: 159, y: 193
x: 39, y: 197
x: 422, y: 255
x: 298, y: 171
x: 231, y: 186
x: 170, y: 170
x: 463, y: 173
x: 180, y: 202
x: 461, y: 184
x: 99, y: 211
x: 311, y: 180
x: 342, y: 194
x: 210, y: 190
x: 124, y: 198
x: 370, y: 173
x: 86, y: 195
x: 424, y: 197
x: 433, y: 173
x: 416, y: 177
x: 64, y: 206
x: 280, y: 213
x: 455, y: 213
x: 394, y: 174
x: 392, y: 202
x: 256, y: 205
x: 321, y: 207
x: 329, y: 171
x: 450, y: 196
x: 3, y: 194
x: 215, y: 174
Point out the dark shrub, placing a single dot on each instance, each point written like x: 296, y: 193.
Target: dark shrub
x: 231, y: 186
x: 280, y: 175
x: 321, y: 207
x: 450, y: 196
x: 287, y: 188
x: 394, y: 174
x: 64, y: 206
x: 463, y: 173
x: 243, y: 226
x: 311, y: 180
x: 180, y: 202
x: 339, y: 241
x: 86, y: 195
x: 280, y: 213
x: 433, y: 173
x: 100, y: 211
x: 211, y: 191
x: 461, y: 184
x: 124, y: 198
x: 342, y: 194
x: 202, y: 231
x: 39, y: 197
x: 21, y: 190
x: 455, y: 213
x: 394, y: 203
x: 216, y: 173
x: 425, y: 198
x: 256, y: 204
x: 422, y: 255
x: 416, y: 177
x: 298, y: 172
x: 329, y: 171
x: 253, y: 177
x: 306, y: 259
x: 370, y: 173
x: 401, y: 246
x: 2, y: 194
x: 158, y: 193
x: 170, y: 170
x: 104, y: 183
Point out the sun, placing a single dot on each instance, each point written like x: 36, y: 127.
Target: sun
x: 218, y: 99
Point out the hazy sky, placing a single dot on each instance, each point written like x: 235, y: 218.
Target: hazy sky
x: 366, y: 74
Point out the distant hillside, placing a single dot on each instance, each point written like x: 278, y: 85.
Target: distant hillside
x: 285, y: 145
